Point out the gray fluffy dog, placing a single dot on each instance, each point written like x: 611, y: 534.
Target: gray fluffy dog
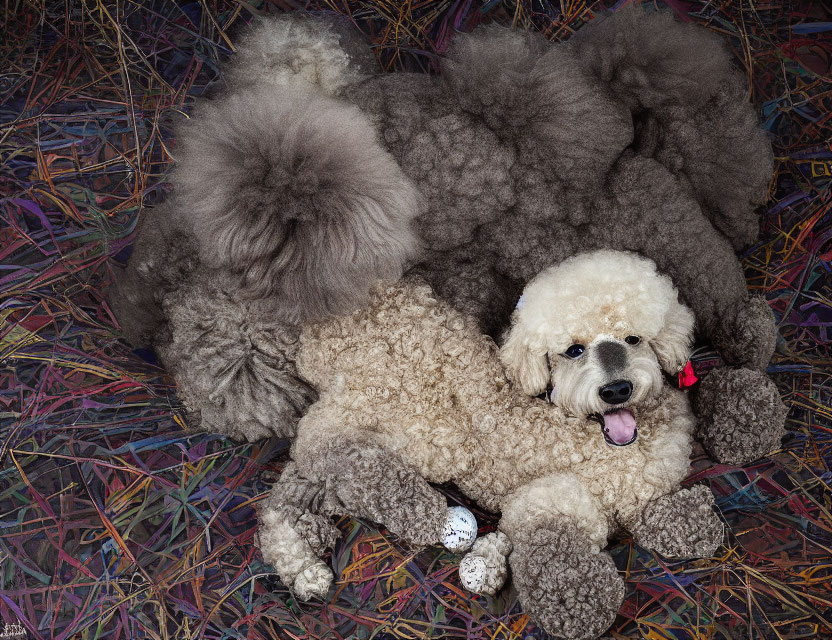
x: 314, y: 176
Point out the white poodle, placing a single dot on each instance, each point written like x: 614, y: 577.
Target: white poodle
x: 412, y: 392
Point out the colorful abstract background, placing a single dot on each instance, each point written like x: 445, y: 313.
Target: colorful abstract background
x: 117, y: 522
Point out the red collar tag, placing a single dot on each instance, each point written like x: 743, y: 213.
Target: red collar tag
x: 686, y: 377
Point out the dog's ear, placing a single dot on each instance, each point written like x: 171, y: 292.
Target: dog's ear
x: 673, y: 343
x: 525, y: 364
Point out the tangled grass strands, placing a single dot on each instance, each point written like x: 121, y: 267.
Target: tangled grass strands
x: 116, y: 522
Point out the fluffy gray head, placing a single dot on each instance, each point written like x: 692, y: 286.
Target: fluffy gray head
x: 290, y: 191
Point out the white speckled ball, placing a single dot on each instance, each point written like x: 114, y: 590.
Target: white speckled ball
x: 472, y: 573
x: 460, y: 529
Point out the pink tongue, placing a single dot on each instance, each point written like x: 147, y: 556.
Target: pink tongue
x: 620, y: 426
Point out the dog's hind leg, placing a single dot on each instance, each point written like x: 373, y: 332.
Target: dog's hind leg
x: 294, y: 534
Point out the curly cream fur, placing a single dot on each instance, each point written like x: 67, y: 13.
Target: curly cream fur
x: 598, y: 295
x: 295, y: 530
x: 412, y: 377
x: 418, y: 378
x: 293, y: 557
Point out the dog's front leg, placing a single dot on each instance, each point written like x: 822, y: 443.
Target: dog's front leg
x: 367, y: 481
x: 344, y: 476
x: 682, y: 524
x: 564, y: 580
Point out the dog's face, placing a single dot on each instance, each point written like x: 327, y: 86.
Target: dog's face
x: 598, y: 331
x: 603, y: 379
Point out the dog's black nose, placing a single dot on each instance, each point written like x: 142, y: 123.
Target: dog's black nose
x: 616, y: 392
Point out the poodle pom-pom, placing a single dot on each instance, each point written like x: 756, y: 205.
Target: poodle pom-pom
x: 234, y: 360
x: 741, y: 415
x: 749, y: 336
x: 681, y: 524
x: 564, y: 583
x: 290, y: 191
x: 321, y: 51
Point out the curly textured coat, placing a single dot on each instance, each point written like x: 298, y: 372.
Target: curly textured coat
x: 314, y: 176
x: 411, y: 390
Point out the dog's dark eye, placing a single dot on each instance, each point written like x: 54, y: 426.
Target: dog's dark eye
x: 632, y: 339
x: 575, y: 351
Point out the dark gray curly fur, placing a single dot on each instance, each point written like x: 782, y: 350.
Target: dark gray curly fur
x: 699, y: 124
x: 372, y: 483
x: 529, y: 153
x: 234, y: 359
x: 681, y: 525
x: 525, y: 153
x: 563, y: 581
x: 304, y: 504
x: 739, y: 334
x: 748, y: 426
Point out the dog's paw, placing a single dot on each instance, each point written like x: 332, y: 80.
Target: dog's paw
x: 313, y: 581
x: 460, y: 529
x: 483, y: 570
x: 740, y: 415
x: 681, y: 525
x: 570, y: 588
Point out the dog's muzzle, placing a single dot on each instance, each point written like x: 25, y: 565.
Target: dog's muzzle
x: 618, y: 426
